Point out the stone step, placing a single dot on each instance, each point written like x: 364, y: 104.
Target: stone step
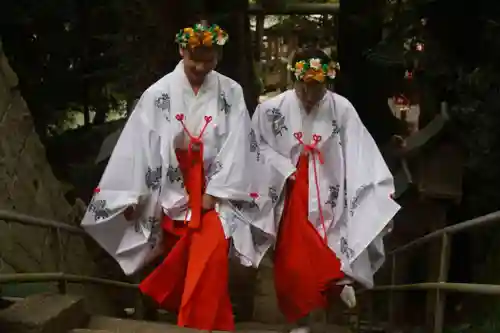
x: 87, y: 330
x: 44, y: 313
x: 116, y: 325
x: 260, y: 327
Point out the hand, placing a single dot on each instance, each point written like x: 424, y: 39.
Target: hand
x: 132, y: 213
x: 129, y: 213
x: 208, y: 202
x: 398, y: 141
x: 195, y: 146
x: 292, y: 176
x: 157, y: 251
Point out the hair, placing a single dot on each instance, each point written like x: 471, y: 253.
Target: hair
x: 200, y: 19
x: 309, y: 53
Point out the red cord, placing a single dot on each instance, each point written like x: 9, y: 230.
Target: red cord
x: 193, y: 140
x: 313, y: 151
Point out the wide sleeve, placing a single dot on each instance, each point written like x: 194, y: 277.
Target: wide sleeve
x: 364, y: 267
x: 245, y: 209
x: 125, y: 174
x: 236, y: 156
x: 369, y: 183
x: 255, y: 230
x: 131, y: 178
x: 281, y: 164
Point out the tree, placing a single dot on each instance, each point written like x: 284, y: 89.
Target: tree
x: 67, y: 63
x: 451, y: 48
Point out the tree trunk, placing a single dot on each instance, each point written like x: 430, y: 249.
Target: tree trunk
x: 360, y: 29
x: 84, y: 35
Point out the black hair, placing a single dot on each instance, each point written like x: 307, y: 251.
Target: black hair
x: 310, y: 53
x: 200, y: 19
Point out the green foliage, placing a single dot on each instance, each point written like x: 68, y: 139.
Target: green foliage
x: 459, y: 65
x: 455, y: 67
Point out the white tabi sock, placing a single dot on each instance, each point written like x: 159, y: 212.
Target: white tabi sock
x: 348, y: 296
x: 301, y: 330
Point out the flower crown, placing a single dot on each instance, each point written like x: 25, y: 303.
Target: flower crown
x: 201, y: 35
x: 313, y: 69
x: 401, y: 102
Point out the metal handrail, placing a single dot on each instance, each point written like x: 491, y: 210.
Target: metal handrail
x: 469, y: 288
x: 440, y: 287
x: 452, y: 229
x: 60, y: 276
x: 38, y: 222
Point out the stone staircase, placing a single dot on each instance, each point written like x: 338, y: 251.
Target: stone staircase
x: 49, y: 313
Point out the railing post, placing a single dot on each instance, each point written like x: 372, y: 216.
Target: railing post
x: 139, y: 306
x: 391, y: 292
x: 440, y: 295
x: 370, y: 310
x: 62, y: 283
x: 62, y: 287
x: 357, y: 327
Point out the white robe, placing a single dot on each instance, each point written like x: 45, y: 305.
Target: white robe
x: 355, y: 184
x: 143, y: 170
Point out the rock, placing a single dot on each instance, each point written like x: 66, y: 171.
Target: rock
x: 45, y: 313
x: 8, y: 73
x: 28, y: 186
x: 78, y: 211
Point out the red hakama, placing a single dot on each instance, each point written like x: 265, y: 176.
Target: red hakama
x: 193, y: 279
x: 305, y: 268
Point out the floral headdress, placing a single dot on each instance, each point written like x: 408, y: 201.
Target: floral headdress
x: 201, y: 35
x: 313, y: 69
x: 401, y: 102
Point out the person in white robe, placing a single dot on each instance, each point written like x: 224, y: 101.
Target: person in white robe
x: 330, y: 191
x: 178, y: 183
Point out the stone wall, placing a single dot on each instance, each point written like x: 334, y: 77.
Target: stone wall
x: 27, y: 185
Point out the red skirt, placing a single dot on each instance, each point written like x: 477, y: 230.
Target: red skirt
x: 193, y: 279
x: 305, y: 268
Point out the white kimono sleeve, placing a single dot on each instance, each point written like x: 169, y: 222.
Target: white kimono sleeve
x: 277, y: 168
x: 281, y: 164
x: 232, y: 181
x: 239, y: 177
x: 364, y: 267
x: 369, y: 185
x: 257, y: 233
x: 131, y: 178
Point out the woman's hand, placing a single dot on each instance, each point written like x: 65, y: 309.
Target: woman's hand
x: 134, y: 211
x: 208, y: 202
x: 129, y: 213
